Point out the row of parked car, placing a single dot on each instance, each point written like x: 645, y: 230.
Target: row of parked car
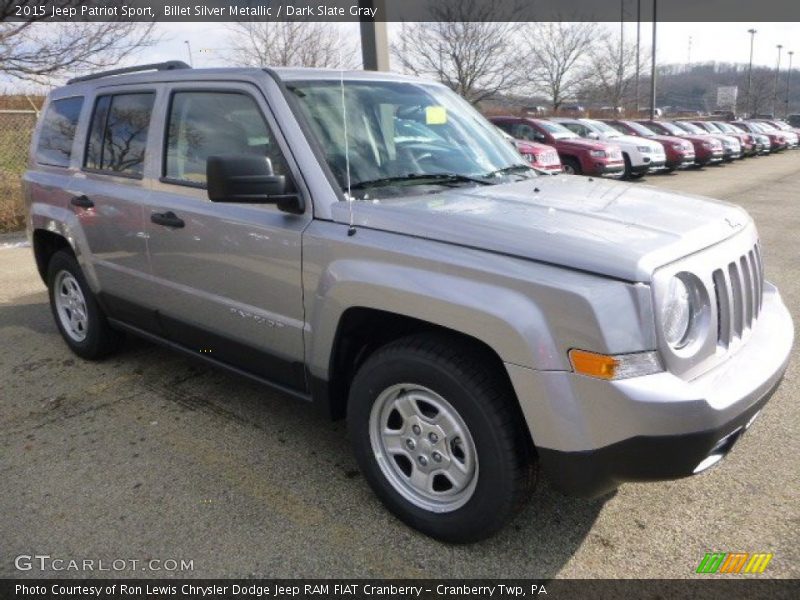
x: 632, y: 148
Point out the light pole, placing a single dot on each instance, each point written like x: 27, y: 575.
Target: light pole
x: 777, y: 75
x: 638, y: 43
x: 749, y: 106
x: 788, y: 81
x: 653, y: 66
x: 621, y: 70
x: 189, y: 50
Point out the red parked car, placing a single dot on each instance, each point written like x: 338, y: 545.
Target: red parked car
x: 679, y: 150
x: 744, y: 138
x: 777, y: 141
x: 707, y: 150
x: 541, y: 156
x: 578, y: 156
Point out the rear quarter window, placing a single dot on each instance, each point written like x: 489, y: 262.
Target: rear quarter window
x: 58, y: 132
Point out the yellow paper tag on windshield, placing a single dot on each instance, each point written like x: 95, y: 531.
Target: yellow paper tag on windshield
x: 435, y: 115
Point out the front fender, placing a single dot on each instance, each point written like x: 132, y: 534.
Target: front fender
x: 504, y: 319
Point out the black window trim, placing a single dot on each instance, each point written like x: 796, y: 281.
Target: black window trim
x: 74, y: 136
x: 163, y: 178
x: 113, y: 94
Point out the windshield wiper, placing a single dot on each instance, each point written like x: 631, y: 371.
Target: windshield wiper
x: 510, y: 170
x: 419, y: 179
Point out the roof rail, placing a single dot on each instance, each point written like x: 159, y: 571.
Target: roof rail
x: 163, y: 66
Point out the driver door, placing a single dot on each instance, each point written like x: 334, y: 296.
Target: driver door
x: 228, y: 275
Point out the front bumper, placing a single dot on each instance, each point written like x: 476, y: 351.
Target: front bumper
x: 613, y: 168
x: 592, y: 435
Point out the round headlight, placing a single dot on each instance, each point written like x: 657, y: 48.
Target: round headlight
x: 677, y: 313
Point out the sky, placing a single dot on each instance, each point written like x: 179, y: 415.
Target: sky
x: 722, y: 42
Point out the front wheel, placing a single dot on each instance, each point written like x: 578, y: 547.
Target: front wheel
x: 571, y: 166
x: 439, y: 439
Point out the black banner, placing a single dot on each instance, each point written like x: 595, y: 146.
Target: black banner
x: 397, y: 10
x: 702, y: 587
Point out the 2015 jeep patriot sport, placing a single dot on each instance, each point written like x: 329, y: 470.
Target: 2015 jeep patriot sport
x: 469, y: 319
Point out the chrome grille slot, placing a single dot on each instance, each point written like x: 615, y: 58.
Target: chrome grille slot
x: 738, y: 291
x: 722, y: 293
x: 748, y: 294
x: 737, y: 312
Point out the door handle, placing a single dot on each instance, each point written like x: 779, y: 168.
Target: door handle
x: 82, y: 202
x: 167, y: 219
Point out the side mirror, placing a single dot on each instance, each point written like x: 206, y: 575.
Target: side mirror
x: 593, y: 136
x: 248, y: 178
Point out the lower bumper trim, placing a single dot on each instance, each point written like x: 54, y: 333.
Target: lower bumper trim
x: 593, y: 473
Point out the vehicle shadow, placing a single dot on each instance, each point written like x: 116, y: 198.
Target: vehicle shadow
x: 537, y: 543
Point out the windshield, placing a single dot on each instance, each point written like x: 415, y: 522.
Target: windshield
x: 672, y: 128
x: 725, y: 128
x: 559, y: 132
x: 400, y: 135
x: 640, y: 129
x: 765, y: 126
x: 690, y: 127
x: 600, y: 127
x: 712, y: 127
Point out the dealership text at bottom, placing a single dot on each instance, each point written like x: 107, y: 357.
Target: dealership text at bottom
x: 211, y: 591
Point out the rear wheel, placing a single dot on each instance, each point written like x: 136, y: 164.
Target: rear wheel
x: 79, y: 318
x: 571, y: 166
x: 439, y: 439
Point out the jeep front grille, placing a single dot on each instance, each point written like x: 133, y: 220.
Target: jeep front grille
x: 739, y: 290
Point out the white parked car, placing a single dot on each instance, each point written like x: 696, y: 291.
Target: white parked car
x: 641, y: 155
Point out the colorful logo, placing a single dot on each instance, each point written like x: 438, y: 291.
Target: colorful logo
x: 734, y: 562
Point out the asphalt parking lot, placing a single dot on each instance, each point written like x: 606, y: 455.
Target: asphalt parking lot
x: 151, y: 456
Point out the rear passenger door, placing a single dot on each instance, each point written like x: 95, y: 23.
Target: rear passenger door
x: 109, y: 196
x: 228, y: 276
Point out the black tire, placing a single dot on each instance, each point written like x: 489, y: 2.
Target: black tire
x: 569, y: 163
x: 483, y: 398
x: 100, y: 339
x: 628, y: 172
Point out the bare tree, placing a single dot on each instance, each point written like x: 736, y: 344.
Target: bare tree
x: 292, y: 44
x: 38, y: 52
x: 610, y: 81
x: 466, y: 48
x: 558, y: 53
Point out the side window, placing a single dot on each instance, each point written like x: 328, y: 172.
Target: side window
x: 523, y: 132
x: 203, y: 124
x: 574, y: 128
x: 58, y: 132
x: 118, y: 134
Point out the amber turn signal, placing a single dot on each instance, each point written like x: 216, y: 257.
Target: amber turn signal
x: 601, y: 366
x: 620, y: 366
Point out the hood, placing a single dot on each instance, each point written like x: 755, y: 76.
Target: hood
x: 635, y: 140
x: 672, y: 139
x: 606, y: 227
x: 583, y: 144
x: 532, y: 147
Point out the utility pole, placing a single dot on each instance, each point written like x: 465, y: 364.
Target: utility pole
x: 638, y: 43
x: 788, y: 81
x: 689, y: 52
x: 621, y: 70
x: 749, y: 106
x: 653, y: 65
x: 189, y: 50
x: 374, y: 38
x: 777, y: 75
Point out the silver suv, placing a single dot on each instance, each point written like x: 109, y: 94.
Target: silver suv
x: 369, y: 243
